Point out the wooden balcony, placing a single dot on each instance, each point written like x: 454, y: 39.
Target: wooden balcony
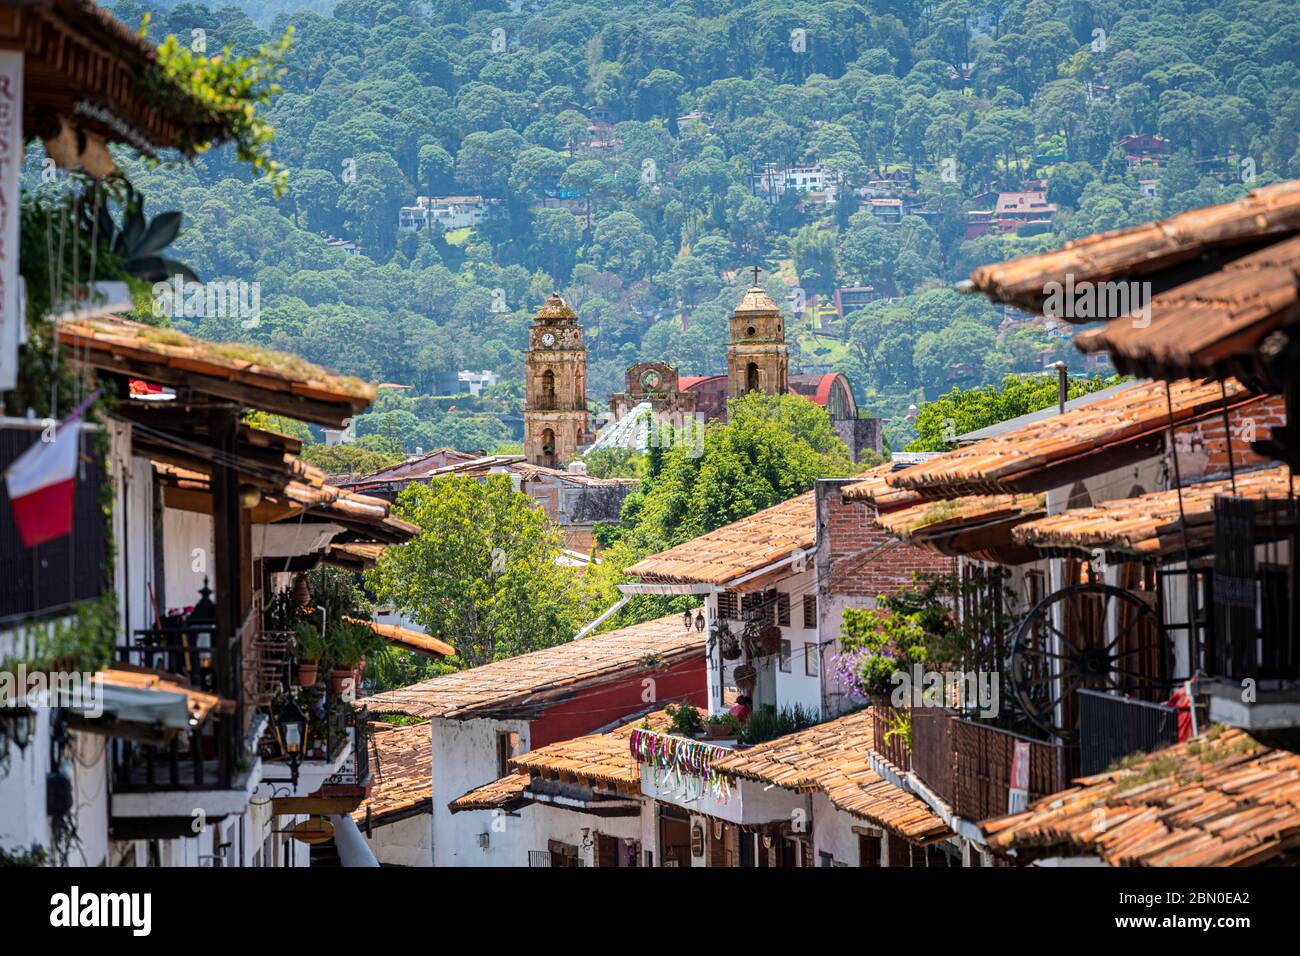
x: 968, y: 765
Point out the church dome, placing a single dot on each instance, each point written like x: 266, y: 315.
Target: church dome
x: 756, y: 302
x: 555, y: 309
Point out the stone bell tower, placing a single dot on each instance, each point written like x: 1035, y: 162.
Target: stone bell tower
x: 555, y: 374
x: 756, y: 354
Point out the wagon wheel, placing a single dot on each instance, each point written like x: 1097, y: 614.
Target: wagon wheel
x: 1049, y: 663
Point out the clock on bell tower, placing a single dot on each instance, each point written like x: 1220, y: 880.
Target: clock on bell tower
x: 555, y: 399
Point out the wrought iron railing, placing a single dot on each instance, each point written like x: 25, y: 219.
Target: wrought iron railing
x: 1256, y: 607
x: 207, y: 756
x: 1112, y: 727
x: 547, y: 858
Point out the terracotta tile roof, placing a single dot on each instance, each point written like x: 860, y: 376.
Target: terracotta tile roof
x: 875, y: 488
x: 357, y: 555
x: 201, y: 705
x: 738, y: 548
x: 1220, y: 799
x: 834, y: 758
x: 408, y: 639
x: 1150, y: 525
x: 601, y: 757
x: 272, y: 381
x: 402, y: 774
x: 527, y: 684
x: 975, y: 524
x: 305, y: 487
x: 1126, y: 427
x: 1187, y: 241
x: 1208, y: 325
x: 506, y: 793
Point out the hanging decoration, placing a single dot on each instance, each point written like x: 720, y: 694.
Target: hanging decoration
x: 683, y: 764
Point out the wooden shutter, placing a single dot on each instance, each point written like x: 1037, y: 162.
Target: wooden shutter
x: 810, y: 610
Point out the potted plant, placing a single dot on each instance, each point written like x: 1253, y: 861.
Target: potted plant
x: 686, y: 721
x: 347, y: 653
x: 308, y: 648
x: 721, y: 726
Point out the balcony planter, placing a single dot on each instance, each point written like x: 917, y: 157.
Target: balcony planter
x: 307, y: 673
x: 339, y: 677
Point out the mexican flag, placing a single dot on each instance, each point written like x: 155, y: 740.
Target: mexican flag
x: 41, y: 484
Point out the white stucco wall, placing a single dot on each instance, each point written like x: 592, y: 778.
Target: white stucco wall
x: 406, y: 842
x: 23, y: 819
x: 833, y: 833
x: 187, y: 540
x: 512, y: 835
x: 464, y: 757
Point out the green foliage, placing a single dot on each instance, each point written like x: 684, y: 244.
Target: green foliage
x: 686, y: 720
x: 226, y: 90
x: 36, y: 856
x: 381, y: 104
x: 393, y: 667
x: 771, y: 449
x: 964, y: 410
x: 350, y: 459
x: 308, y: 645
x: 769, y: 723
x: 481, y: 574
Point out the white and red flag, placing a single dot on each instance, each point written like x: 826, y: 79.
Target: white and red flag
x: 42, y: 482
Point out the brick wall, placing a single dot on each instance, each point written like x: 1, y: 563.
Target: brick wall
x: 1203, y: 451
x: 865, y: 560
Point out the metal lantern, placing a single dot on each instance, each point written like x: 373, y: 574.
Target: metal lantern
x: 699, y: 620
x: 203, y: 619
x: 293, y: 733
x: 686, y: 619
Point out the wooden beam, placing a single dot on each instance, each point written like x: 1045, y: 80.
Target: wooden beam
x: 324, y: 806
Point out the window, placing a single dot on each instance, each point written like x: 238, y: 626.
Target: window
x: 507, y: 747
x: 811, y: 659
x: 810, y: 611
x: 785, y: 657
x: 868, y: 850
x: 727, y: 608
x: 783, y: 610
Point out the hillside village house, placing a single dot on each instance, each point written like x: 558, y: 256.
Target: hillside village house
x: 815, y: 183
x: 146, y: 744
x: 1147, y: 536
x: 639, y: 795
x: 481, y: 718
x: 446, y: 212
x: 187, y: 760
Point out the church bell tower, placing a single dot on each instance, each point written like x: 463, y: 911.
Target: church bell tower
x: 555, y: 371
x: 756, y: 354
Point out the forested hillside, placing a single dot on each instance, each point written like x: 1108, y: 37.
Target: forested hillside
x: 620, y: 141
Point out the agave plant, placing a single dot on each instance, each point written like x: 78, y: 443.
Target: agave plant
x: 139, y: 242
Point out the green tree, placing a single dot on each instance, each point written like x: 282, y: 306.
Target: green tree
x: 966, y: 410
x: 482, y: 572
